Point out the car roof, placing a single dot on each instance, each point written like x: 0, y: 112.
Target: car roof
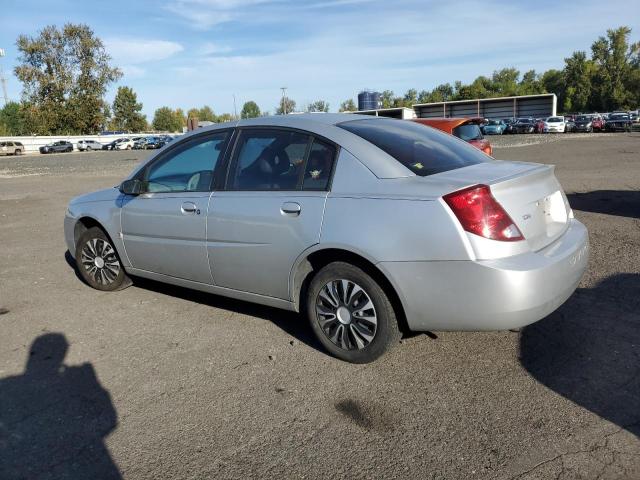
x: 326, y: 125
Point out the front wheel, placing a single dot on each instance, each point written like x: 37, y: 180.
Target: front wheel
x: 350, y: 313
x: 128, y: 147
x: 99, y: 263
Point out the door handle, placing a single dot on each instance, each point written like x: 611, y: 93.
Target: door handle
x: 189, y: 208
x: 291, y: 208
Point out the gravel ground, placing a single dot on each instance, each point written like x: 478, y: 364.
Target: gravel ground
x: 161, y: 382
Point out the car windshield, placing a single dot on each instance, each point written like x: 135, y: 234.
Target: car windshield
x: 493, y: 122
x: 468, y: 132
x: 524, y: 120
x: 555, y: 119
x: 582, y: 118
x: 423, y: 150
x: 619, y: 116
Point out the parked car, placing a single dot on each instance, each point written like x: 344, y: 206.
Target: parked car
x: 57, y: 147
x: 361, y: 223
x: 509, y: 125
x: 467, y: 129
x: 584, y: 123
x: 11, y: 148
x: 569, y: 125
x: 113, y: 145
x: 540, y: 122
x: 597, y: 123
x: 524, y: 125
x: 494, y: 127
x: 618, y: 121
x: 554, y: 125
x: 124, y: 144
x: 88, y: 145
x: 154, y: 143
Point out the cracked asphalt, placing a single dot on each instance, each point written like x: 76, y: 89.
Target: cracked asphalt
x: 160, y: 382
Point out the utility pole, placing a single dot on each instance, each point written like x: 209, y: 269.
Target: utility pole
x: 235, y: 111
x: 3, y: 80
x: 284, y: 102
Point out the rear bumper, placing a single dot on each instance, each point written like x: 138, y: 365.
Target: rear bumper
x: 492, y: 294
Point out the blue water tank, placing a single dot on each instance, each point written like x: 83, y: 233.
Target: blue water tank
x: 368, y: 100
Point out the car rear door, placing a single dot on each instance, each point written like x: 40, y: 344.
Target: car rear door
x: 271, y: 209
x: 164, y: 229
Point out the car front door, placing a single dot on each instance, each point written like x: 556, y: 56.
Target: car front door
x: 164, y: 229
x: 270, y: 210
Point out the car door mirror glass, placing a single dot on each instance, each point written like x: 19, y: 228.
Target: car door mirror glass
x: 131, y: 187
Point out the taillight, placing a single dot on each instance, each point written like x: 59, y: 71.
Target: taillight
x: 480, y: 213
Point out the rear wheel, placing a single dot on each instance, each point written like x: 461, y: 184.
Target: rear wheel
x: 350, y: 314
x: 98, y: 262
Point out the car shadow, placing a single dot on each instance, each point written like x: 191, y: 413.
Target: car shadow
x: 623, y: 203
x: 589, y: 350
x: 294, y: 324
x: 54, y: 418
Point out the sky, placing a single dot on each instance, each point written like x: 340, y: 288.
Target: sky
x: 190, y: 53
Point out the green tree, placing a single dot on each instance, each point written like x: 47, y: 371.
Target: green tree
x: 348, y: 106
x: 578, y: 73
x: 287, y: 105
x: 387, y: 98
x: 613, y: 58
x: 180, y: 117
x: 225, y: 117
x: 127, y: 111
x: 530, y: 84
x: 505, y: 82
x: 64, y: 73
x: 250, y: 109
x: 12, y: 119
x: 205, y: 114
x: 165, y: 120
x: 193, y: 113
x: 410, y: 98
x: 318, y: 106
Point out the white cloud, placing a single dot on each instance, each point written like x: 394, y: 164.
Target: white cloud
x: 131, y: 51
x: 204, y: 14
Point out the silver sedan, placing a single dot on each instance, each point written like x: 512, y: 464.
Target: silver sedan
x: 368, y: 226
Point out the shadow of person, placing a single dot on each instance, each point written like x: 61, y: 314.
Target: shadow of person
x: 54, y: 418
x: 589, y: 350
x: 623, y: 203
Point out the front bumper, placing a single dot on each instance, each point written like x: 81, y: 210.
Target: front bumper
x: 491, y: 294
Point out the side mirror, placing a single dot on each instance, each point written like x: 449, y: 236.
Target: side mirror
x: 131, y: 187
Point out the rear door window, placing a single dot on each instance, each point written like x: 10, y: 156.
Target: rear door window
x: 268, y: 159
x: 423, y: 150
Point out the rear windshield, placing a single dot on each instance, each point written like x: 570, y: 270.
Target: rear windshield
x: 468, y: 132
x: 423, y: 150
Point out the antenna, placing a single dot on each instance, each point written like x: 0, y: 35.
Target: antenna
x: 284, y: 103
x: 3, y: 80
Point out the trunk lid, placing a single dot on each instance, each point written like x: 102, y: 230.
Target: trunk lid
x: 528, y: 192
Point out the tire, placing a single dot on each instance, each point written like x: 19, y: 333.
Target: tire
x: 88, y: 149
x: 332, y: 299
x: 128, y: 147
x: 18, y: 152
x: 106, y: 274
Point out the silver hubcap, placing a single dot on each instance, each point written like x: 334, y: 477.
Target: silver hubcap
x: 346, y: 314
x: 99, y: 259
